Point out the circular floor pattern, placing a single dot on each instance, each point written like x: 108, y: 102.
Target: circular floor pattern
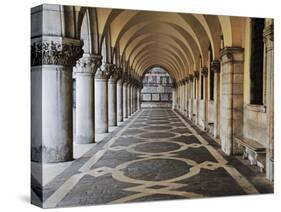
x: 157, y: 147
x: 158, y: 122
x: 156, y: 169
x: 157, y: 127
x: 157, y: 135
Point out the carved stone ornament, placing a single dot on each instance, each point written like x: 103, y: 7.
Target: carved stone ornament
x: 215, y: 66
x: 116, y: 73
x: 196, y: 74
x: 204, y: 71
x: 190, y: 77
x: 56, y: 51
x: 88, y: 64
x: 104, y: 73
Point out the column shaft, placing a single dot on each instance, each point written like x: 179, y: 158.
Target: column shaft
x: 119, y: 100
x: 231, y: 110
x: 101, y: 105
x: 52, y: 97
x: 112, y: 103
x: 125, y: 100
x: 85, y: 132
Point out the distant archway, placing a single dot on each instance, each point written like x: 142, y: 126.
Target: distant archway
x: 157, y: 88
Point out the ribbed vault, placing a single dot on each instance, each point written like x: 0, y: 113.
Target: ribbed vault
x: 180, y: 43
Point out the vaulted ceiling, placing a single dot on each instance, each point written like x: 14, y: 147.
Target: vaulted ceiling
x: 180, y: 43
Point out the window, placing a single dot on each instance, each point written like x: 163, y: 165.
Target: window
x: 257, y: 54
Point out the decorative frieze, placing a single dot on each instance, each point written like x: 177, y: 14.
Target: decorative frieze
x: 55, y: 51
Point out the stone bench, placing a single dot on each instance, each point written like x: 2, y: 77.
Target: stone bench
x: 253, y: 151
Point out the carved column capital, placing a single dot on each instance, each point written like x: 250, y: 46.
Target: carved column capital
x: 190, y: 77
x: 116, y: 74
x: 104, y: 73
x: 52, y: 50
x: 204, y: 71
x: 230, y: 54
x: 196, y: 74
x: 215, y: 66
x: 88, y: 64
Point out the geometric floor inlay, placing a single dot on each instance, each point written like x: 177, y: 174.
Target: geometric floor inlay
x: 157, y: 155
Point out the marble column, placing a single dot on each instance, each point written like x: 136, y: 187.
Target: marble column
x: 132, y: 99
x: 85, y: 98
x: 138, y: 98
x: 173, y: 98
x: 191, y: 87
x: 129, y: 100
x: 125, y: 100
x: 196, y: 98
x: 216, y: 68
x: 205, y: 98
x: 101, y: 101
x: 186, y: 96
x: 120, y: 100
x: 231, y: 109
x: 269, y: 73
x: 183, y: 96
x: 51, y: 103
x: 112, y: 98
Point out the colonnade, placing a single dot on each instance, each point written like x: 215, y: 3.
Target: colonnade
x: 104, y: 97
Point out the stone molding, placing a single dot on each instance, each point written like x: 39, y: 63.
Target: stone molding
x: 88, y: 64
x: 215, y: 66
x: 51, y: 50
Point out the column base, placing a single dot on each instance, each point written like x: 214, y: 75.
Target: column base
x: 84, y: 140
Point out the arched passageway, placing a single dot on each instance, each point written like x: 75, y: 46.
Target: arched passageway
x: 90, y: 98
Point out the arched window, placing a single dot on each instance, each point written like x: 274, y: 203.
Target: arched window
x: 257, y: 57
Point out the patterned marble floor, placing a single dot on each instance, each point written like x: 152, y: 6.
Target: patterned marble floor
x: 157, y: 155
